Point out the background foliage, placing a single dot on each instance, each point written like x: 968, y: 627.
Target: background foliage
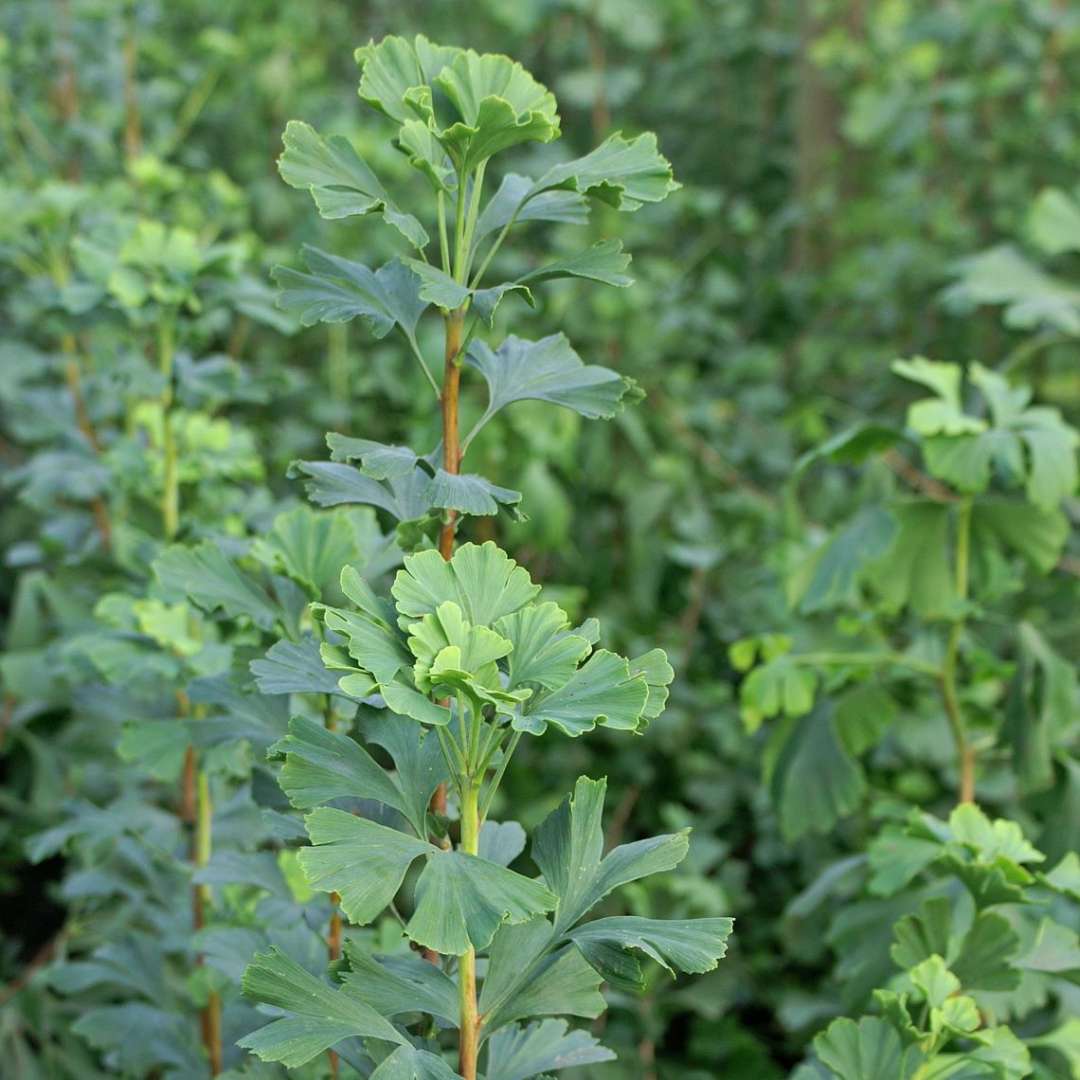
x: 862, y: 182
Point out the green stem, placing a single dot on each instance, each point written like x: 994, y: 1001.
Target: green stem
x: 508, y: 753
x: 470, y: 1019
x: 479, y: 275
x: 459, y: 229
x: 211, y: 1016
x: 948, y: 677
x: 444, y: 242
x: 170, y: 496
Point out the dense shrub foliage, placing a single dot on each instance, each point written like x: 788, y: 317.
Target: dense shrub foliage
x: 422, y: 637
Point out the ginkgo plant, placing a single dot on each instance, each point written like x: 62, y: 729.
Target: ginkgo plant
x: 958, y: 934
x: 463, y: 658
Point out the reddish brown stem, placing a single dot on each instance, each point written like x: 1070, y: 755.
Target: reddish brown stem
x: 451, y: 431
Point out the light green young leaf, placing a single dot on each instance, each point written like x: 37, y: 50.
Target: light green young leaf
x: 394, y: 66
x: 544, y: 653
x: 319, y: 1016
x: 480, y: 578
x: 519, y: 1053
x: 1054, y: 222
x: 445, y: 640
x: 500, y: 105
x: 934, y: 981
x: 868, y: 1050
x: 780, y: 686
x: 339, y: 180
x: 568, y: 847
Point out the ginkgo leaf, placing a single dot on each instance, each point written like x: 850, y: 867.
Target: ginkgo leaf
x: 624, y: 173
x: 518, y: 1053
x: 544, y: 652
x: 374, y: 645
x: 394, y: 66
x: 406, y: 701
x: 867, y: 1050
x: 469, y: 493
x: 1032, y: 297
x: 323, y: 765
x: 506, y: 205
x: 603, y: 691
x: 339, y: 180
x: 294, y: 667
x: 915, y: 570
x: 318, y: 1016
x: 441, y: 289
x: 409, y: 1063
x: 547, y: 370
x: 466, y: 493
x: 336, y: 290
x: 659, y: 675
x: 309, y: 547
x: 419, y: 765
x: 500, y: 105
x: 943, y: 414
x: 480, y: 578
x: 813, y: 778
x: 364, y: 862
x: 460, y: 899
x: 568, y: 847
x: 426, y: 154
x: 532, y: 973
x: 211, y: 581
x: 377, y: 460
x: 475, y: 648
x: 605, y: 261
x: 691, y: 945
x: 400, y: 984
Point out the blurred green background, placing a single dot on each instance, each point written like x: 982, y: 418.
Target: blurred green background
x: 861, y: 182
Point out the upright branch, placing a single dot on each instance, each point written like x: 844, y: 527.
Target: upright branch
x: 456, y: 110
x: 451, y: 433
x: 170, y: 493
x: 949, y: 669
